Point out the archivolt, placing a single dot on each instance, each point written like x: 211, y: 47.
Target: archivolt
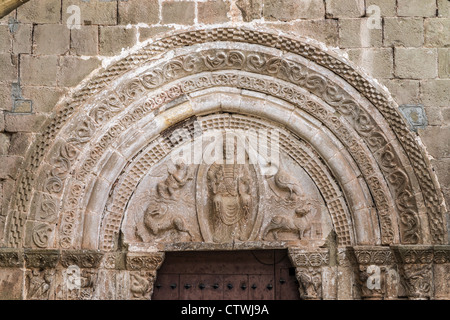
x: 90, y: 129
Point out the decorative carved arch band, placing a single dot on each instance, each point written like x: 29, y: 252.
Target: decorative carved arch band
x: 340, y: 129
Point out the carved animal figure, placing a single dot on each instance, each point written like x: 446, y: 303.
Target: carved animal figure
x: 285, y: 183
x: 310, y: 283
x: 158, y: 221
x: 299, y: 223
x: 139, y: 286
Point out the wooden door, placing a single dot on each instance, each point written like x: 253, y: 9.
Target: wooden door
x: 227, y: 275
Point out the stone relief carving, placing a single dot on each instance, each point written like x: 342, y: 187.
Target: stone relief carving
x: 40, y: 284
x: 433, y: 202
x: 232, y: 203
x: 141, y: 285
x: 160, y: 215
x: 301, y: 213
x: 310, y: 283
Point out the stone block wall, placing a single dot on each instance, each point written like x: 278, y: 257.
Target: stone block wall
x: 404, y: 44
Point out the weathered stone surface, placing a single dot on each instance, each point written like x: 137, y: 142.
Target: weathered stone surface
x: 114, y: 39
x: 435, y: 92
x: 442, y: 281
x: 5, y: 39
x: 44, y: 11
x: 5, y: 142
x: 437, y: 32
x: 93, y: 12
x: 11, y: 284
x: 84, y: 41
x: 344, y: 9
x: 73, y: 70
x: 355, y: 33
x: 407, y: 32
x: 416, y: 8
x: 20, y: 142
x: 404, y: 91
x: 8, y: 66
x: 434, y: 116
x: 51, y: 39
x: 147, y: 33
x: 442, y: 166
x: 388, y: 8
x: 178, y: 12
x: 250, y: 9
x: 22, y: 39
x: 376, y: 62
x: 38, y: 70
x: 9, y: 167
x: 215, y: 11
x: 415, y: 63
x: 444, y: 63
x: 445, y: 111
x: 286, y: 10
x: 443, y: 9
x: 23, y: 122
x: 138, y: 11
x: 44, y: 98
x: 5, y: 98
x: 325, y: 31
x: 435, y: 139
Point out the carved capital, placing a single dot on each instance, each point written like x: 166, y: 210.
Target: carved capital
x: 40, y: 284
x: 42, y: 259
x: 418, y: 280
x: 11, y: 258
x: 147, y: 261
x: 310, y: 283
x: 141, y: 285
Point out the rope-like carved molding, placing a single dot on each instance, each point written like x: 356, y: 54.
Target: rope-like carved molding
x: 421, y: 167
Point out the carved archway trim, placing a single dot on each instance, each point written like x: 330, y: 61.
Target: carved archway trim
x: 126, y: 184
x: 28, y: 181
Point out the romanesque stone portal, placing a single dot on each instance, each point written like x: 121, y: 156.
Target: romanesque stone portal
x: 227, y: 139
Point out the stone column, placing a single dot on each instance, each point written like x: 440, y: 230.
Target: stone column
x: 311, y: 272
